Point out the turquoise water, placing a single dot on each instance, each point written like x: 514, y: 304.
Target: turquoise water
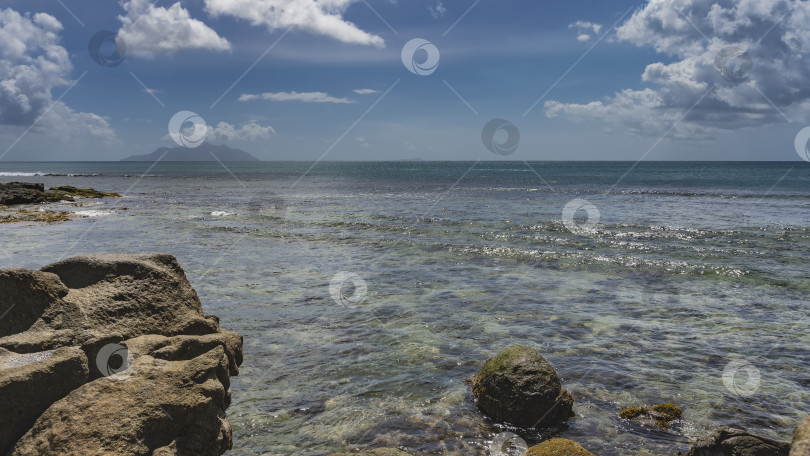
x: 692, y: 269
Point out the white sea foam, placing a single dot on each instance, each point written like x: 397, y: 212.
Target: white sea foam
x: 41, y: 173
x: 221, y: 213
x: 93, y: 213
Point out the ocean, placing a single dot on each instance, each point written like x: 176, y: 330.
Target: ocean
x: 368, y: 292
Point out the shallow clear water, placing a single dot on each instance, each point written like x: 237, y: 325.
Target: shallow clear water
x: 692, y: 268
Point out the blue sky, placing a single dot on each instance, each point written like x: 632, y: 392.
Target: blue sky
x: 334, y: 84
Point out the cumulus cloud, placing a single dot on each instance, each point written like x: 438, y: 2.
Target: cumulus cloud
x: 585, y: 30
x: 323, y: 17
x: 250, y: 131
x: 437, y: 10
x: 148, y: 30
x: 693, y: 33
x: 366, y: 91
x: 306, y: 97
x: 32, y: 63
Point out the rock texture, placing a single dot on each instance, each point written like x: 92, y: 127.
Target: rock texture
x: 519, y: 387
x: 558, y: 447
x: 737, y: 442
x: 133, y: 327
x: 801, y: 439
x: 30, y: 383
x: 661, y: 415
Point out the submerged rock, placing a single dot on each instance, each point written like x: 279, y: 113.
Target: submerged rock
x: 662, y: 415
x: 558, y: 447
x: 801, y: 439
x: 518, y: 386
x: 30, y: 383
x: 737, y: 442
x: 375, y: 452
x: 158, y: 368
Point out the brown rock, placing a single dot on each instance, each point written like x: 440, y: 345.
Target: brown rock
x: 171, y: 407
x: 518, y: 386
x: 558, y: 447
x: 30, y: 383
x: 110, y: 298
x: 801, y: 439
x: 26, y: 295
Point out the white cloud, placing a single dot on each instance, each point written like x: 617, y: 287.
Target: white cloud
x: 366, y: 91
x: 32, y: 63
x: 775, y: 35
x: 585, y: 29
x: 437, y: 10
x: 250, y: 131
x: 147, y: 30
x: 306, y: 97
x: 362, y: 142
x: 323, y: 17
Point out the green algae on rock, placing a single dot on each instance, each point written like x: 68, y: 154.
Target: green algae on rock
x: 662, y: 415
x: 558, y: 447
x: 83, y: 192
x: 519, y: 387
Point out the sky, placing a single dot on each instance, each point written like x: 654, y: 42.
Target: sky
x: 405, y: 79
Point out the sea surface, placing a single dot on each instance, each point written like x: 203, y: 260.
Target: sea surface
x: 673, y: 282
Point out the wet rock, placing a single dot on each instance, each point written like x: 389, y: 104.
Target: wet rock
x: 801, y: 439
x: 83, y: 192
x: 30, y: 383
x: 558, y: 447
x: 22, y: 193
x: 155, y: 404
x: 737, y: 442
x: 662, y: 415
x: 518, y: 386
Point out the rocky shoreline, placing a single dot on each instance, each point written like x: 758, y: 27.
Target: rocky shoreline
x: 19, y: 201
x: 112, y: 354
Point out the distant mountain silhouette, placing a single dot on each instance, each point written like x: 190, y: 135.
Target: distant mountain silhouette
x: 201, y: 153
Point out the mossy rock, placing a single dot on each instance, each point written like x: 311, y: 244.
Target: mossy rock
x: 83, y: 192
x: 519, y: 387
x: 558, y: 447
x: 661, y: 415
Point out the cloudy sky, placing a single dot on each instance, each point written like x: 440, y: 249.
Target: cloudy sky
x: 390, y: 80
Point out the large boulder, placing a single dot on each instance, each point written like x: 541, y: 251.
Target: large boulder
x: 166, y: 407
x: 133, y: 327
x: 801, y: 439
x: 22, y: 193
x: 518, y: 386
x: 737, y: 442
x: 30, y: 383
x: 558, y: 447
x: 110, y: 298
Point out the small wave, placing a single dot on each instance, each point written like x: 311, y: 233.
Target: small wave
x: 42, y: 173
x: 221, y: 213
x: 93, y: 213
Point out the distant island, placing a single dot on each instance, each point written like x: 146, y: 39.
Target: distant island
x: 205, y: 152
